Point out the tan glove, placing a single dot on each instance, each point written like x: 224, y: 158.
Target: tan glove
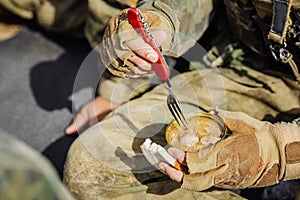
x: 257, y: 154
x: 115, y: 53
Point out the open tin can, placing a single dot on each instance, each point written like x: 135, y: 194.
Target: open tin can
x: 204, y: 130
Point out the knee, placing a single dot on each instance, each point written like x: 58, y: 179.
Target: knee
x: 76, y: 170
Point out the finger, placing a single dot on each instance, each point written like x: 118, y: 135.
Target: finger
x: 173, y: 173
x: 143, y: 64
x: 178, y: 154
x: 160, y: 37
x: 141, y: 48
x: 78, y: 123
x: 139, y: 71
x: 136, y: 74
x: 71, y: 129
x: 213, y: 112
x: 131, y: 75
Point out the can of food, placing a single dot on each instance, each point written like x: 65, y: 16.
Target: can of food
x: 204, y: 129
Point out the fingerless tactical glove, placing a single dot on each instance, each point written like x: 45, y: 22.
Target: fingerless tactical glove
x: 115, y: 53
x: 257, y: 154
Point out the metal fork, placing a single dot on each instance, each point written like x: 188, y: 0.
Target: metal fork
x: 161, y: 67
x: 174, y: 107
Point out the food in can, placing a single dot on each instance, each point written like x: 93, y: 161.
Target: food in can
x: 203, y: 129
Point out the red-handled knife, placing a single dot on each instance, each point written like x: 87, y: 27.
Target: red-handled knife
x: 137, y: 21
x: 160, y: 68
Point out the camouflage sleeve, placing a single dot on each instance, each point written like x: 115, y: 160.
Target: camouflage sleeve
x: 100, y: 12
x: 190, y: 19
x: 119, y: 90
x: 66, y: 16
x: 25, y: 174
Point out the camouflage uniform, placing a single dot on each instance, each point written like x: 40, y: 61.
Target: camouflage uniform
x: 25, y: 174
x: 69, y: 16
x: 105, y: 162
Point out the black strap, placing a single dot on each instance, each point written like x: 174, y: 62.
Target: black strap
x: 281, y: 11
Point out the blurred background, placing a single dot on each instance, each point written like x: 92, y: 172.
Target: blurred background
x: 37, y: 74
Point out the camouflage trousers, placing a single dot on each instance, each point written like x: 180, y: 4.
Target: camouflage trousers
x: 105, y: 162
x: 25, y: 174
x: 86, y: 18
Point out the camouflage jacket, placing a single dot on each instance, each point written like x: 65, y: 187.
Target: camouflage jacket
x: 268, y: 28
x: 92, y: 16
x: 25, y: 174
x: 250, y: 20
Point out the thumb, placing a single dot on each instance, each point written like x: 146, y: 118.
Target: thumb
x: 160, y: 37
x: 71, y: 129
x: 78, y: 123
x: 173, y: 173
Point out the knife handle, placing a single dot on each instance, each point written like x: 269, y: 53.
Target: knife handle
x: 139, y: 24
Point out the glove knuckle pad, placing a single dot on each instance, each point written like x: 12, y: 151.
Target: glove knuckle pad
x: 243, y: 165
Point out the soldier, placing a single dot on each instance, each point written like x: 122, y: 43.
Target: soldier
x: 25, y: 174
x: 259, y: 76
x: 105, y: 161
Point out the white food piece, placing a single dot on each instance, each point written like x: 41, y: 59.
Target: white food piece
x: 155, y: 153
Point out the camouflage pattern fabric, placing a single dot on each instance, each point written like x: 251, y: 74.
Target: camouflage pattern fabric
x: 251, y: 21
x: 105, y: 161
x: 66, y: 16
x: 90, y: 18
x: 100, y: 12
x: 25, y: 174
x: 72, y: 17
x: 100, y: 163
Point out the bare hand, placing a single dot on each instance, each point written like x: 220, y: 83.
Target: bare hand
x: 172, y: 172
x: 124, y: 53
x: 144, y: 54
x: 91, y: 113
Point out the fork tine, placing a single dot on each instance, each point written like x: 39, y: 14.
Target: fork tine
x: 176, y: 111
x: 174, y: 107
x: 173, y: 114
x: 180, y: 114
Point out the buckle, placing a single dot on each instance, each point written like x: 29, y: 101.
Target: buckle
x: 279, y: 51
